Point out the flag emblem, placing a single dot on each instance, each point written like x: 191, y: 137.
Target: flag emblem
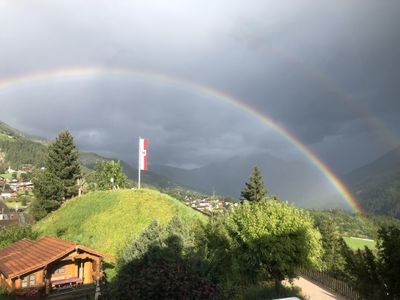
x: 143, y: 143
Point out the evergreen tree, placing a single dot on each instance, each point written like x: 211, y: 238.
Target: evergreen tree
x: 62, y: 162
x: 49, y: 193
x: 331, y: 243
x: 254, y: 189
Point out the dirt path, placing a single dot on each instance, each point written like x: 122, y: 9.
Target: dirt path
x: 314, y: 291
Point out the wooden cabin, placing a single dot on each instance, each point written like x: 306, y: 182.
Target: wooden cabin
x: 48, y: 264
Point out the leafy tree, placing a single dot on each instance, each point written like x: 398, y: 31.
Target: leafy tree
x: 272, y: 241
x: 24, y: 176
x: 389, y: 259
x: 363, y: 273
x: 332, y: 258
x: 109, y: 175
x: 160, y: 264
x: 11, y: 234
x: 254, y: 189
x: 48, y: 193
x: 163, y: 273
x: 3, y: 168
x: 376, y: 276
x: 214, y: 246
x: 62, y: 162
x: 154, y: 234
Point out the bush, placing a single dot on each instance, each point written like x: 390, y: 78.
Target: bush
x: 160, y: 264
x: 4, y: 295
x: 265, y: 290
x: 15, y: 233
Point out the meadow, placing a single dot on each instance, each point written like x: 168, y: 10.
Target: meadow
x: 108, y: 220
x: 357, y: 243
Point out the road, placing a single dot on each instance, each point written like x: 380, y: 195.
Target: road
x: 314, y: 291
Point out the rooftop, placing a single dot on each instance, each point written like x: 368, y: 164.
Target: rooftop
x: 25, y: 255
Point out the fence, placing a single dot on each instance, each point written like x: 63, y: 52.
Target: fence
x: 334, y: 284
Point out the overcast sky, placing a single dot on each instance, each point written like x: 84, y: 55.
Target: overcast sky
x: 327, y: 71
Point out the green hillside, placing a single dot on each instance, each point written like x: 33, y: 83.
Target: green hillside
x: 377, y: 185
x: 17, y: 149
x: 357, y: 243
x: 107, y: 220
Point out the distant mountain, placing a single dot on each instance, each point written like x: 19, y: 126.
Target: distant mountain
x: 18, y: 149
x: 294, y: 181
x: 377, y: 184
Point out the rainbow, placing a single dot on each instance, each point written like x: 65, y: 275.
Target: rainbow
x: 83, y: 72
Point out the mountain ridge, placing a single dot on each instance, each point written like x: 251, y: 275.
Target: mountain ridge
x: 376, y: 185
x: 18, y: 148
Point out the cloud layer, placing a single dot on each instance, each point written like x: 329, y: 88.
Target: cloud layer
x: 328, y: 72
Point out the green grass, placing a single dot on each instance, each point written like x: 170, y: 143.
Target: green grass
x: 7, y: 176
x: 108, y: 220
x: 13, y: 204
x: 355, y: 244
x: 6, y: 137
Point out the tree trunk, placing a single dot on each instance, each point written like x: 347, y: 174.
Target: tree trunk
x: 277, y: 286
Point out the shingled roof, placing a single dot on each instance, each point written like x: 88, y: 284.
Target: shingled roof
x: 25, y: 255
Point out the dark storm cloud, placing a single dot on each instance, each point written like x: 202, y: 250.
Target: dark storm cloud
x: 322, y: 70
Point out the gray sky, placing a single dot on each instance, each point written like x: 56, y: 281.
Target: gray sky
x: 328, y: 71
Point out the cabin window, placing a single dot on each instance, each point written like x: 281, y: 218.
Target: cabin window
x: 32, y: 279
x: 60, y: 270
x: 24, y: 282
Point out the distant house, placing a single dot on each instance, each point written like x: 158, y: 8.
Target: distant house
x: 24, y: 185
x: 9, y: 194
x: 7, y: 217
x: 14, y: 184
x: 47, y: 265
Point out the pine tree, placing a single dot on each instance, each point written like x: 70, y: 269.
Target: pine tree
x: 48, y: 193
x: 62, y: 162
x: 254, y: 189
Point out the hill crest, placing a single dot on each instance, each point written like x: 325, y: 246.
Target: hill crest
x: 108, y: 220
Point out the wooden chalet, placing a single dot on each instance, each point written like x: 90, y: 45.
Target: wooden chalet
x: 49, y: 264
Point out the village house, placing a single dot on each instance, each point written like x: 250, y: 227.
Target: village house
x: 13, y: 184
x: 7, y: 216
x: 24, y: 185
x: 9, y: 194
x: 47, y: 266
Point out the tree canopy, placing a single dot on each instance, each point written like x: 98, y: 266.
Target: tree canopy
x: 109, y: 175
x: 272, y: 240
x: 62, y: 162
x: 58, y: 181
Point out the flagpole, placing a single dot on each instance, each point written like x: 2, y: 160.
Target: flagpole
x: 139, y: 166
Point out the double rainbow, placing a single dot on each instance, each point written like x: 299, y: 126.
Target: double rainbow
x: 207, y: 91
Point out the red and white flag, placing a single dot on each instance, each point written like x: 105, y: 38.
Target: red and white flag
x: 143, y: 143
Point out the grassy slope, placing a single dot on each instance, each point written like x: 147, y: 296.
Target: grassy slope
x: 108, y: 220
x: 359, y: 244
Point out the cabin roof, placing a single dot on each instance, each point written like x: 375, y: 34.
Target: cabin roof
x: 25, y: 255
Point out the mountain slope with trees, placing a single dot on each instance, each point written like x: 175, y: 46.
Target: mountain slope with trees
x: 377, y: 185
x: 18, y: 149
